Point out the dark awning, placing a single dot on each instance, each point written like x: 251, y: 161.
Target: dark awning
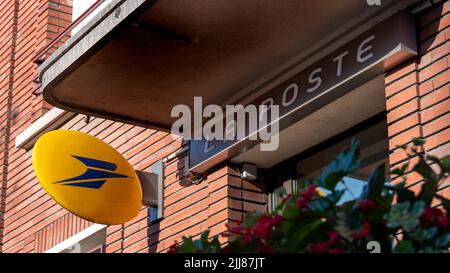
x: 137, y: 59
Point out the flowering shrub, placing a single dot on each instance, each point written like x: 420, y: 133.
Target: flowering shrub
x: 393, y: 216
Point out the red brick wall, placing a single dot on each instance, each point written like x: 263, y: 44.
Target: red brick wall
x: 55, y: 232
x: 26, y: 26
x: 418, y: 93
x: 8, y: 25
x: 52, y: 17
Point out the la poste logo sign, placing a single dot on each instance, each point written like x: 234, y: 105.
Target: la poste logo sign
x: 87, y: 177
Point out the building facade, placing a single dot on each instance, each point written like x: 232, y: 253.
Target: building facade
x: 97, y: 74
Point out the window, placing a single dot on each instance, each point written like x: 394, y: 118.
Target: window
x: 309, y: 164
x: 287, y: 187
x: 98, y: 249
x: 89, y: 240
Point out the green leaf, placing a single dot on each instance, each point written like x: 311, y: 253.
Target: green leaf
x: 290, y: 210
x: 287, y: 226
x: 431, y: 232
x: 418, y: 141
x: 405, y: 195
x: 405, y: 247
x: 441, y: 165
x: 318, y: 205
x: 204, y: 239
x: 187, y: 246
x: 401, y: 170
x: 334, y: 197
x: 330, y: 180
x: 347, y: 223
x: 375, y: 184
x: 214, y: 245
x: 434, y: 159
x: 443, y: 240
x: 345, y: 163
x: 396, y: 187
x: 417, y: 209
x: 403, y: 147
x: 251, y: 219
x: 198, y: 245
x: 446, y: 163
x: 422, y: 235
x: 419, y: 235
x: 290, y: 214
x: 301, y: 232
x: 425, y: 170
x: 445, y: 204
x: 385, y: 201
x: 429, y: 187
x: 400, y: 215
x: 306, y: 229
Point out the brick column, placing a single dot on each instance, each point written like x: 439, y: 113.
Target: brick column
x: 8, y: 37
x: 53, y: 16
x: 25, y: 26
x: 418, y: 93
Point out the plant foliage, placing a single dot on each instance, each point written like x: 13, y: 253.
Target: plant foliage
x: 392, y: 216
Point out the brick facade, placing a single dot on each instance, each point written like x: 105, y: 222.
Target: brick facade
x: 30, y: 221
x: 8, y: 11
x: 26, y: 26
x: 418, y: 94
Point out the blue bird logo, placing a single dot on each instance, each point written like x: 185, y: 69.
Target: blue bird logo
x: 95, y: 176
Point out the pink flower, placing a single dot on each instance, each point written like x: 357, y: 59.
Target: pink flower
x: 246, y: 238
x: 226, y: 249
x: 363, y: 232
x: 265, y: 225
x: 305, y: 197
x: 262, y: 248
x: 430, y: 216
x: 325, y: 247
x: 366, y: 205
x: 336, y: 250
x: 309, y: 192
x: 443, y: 222
x: 286, y: 199
x: 319, y: 248
x: 434, y: 216
x: 238, y: 229
x: 333, y: 237
x: 262, y: 230
x: 276, y: 220
x: 301, y: 203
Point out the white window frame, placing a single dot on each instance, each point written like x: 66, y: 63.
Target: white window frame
x: 76, y: 238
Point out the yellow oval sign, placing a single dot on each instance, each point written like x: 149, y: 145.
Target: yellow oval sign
x: 87, y: 177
